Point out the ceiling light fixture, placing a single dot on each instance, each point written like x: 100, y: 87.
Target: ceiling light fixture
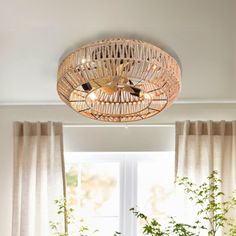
x: 118, y: 80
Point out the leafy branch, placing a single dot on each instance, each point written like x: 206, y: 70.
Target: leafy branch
x: 208, y: 197
x: 154, y: 228
x: 67, y: 213
x: 213, y: 211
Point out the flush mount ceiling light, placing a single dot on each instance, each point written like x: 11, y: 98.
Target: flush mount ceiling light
x: 118, y: 80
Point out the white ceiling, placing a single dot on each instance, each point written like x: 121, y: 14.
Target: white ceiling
x: 34, y: 35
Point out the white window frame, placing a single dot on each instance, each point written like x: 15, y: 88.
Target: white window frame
x: 128, y: 179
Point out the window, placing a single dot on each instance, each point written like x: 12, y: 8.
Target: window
x: 102, y: 187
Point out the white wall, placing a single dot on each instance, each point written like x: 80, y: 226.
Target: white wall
x: 98, y: 139
x: 117, y: 139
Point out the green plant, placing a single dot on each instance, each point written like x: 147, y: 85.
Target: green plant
x: 208, y: 197
x: 232, y: 228
x: 212, y: 210
x: 116, y: 233
x: 154, y: 228
x: 67, y: 213
x: 151, y: 227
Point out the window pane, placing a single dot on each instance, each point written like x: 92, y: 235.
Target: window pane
x: 105, y: 225
x: 99, y: 188
x: 72, y: 172
x: 93, y: 190
x: 156, y: 186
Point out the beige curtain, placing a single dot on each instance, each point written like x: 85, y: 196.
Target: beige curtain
x: 202, y: 147
x: 38, y: 177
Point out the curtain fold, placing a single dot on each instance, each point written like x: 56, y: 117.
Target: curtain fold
x: 204, y: 146
x: 38, y: 177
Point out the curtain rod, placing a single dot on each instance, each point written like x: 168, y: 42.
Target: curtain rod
x: 77, y: 125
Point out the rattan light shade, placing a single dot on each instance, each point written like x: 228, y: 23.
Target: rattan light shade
x: 118, y: 80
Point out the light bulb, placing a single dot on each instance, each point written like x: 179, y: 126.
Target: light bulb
x: 92, y: 96
x: 146, y: 96
x: 154, y: 67
x: 83, y: 60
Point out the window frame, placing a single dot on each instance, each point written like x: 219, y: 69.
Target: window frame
x: 128, y: 162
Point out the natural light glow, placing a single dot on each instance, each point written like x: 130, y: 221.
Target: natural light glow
x: 156, y: 187
x: 93, y: 190
x: 103, y: 186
